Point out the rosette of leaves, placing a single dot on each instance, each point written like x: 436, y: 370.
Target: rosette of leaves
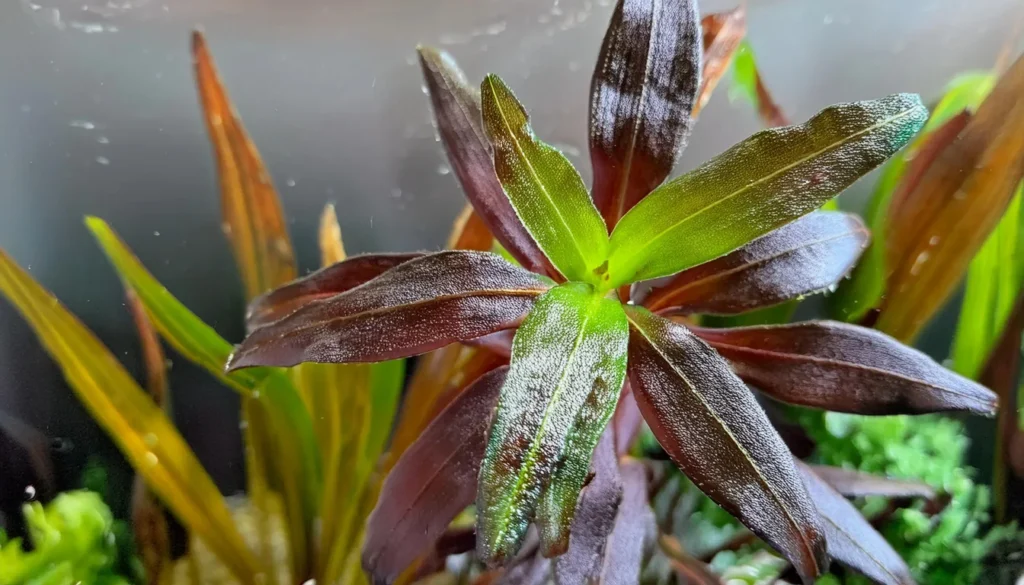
x: 738, y: 233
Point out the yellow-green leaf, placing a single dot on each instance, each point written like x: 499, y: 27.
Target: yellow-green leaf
x: 139, y: 427
x: 546, y: 191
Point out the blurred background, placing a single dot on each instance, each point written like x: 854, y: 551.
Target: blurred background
x: 98, y: 115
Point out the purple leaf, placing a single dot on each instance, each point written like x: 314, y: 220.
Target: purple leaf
x: 594, y: 519
x: 801, y: 258
x: 715, y: 432
x: 855, y: 484
x: 456, y: 104
x: 851, y: 539
x: 845, y: 368
x: 633, y: 532
x: 641, y: 95
x: 419, y: 306
x: 432, y: 482
x: 326, y: 282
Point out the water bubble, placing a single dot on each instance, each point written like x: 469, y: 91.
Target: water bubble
x: 84, y: 124
x: 443, y: 169
x: 61, y: 445
x: 103, y: 160
x: 290, y: 182
x: 156, y: 233
x: 102, y: 140
x: 30, y: 493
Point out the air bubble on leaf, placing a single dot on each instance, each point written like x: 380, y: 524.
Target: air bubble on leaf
x: 150, y: 439
x: 919, y: 262
x: 151, y: 459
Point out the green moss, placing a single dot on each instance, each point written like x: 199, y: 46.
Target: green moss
x: 947, y: 549
x: 73, y: 542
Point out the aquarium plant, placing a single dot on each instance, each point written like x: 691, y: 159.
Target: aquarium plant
x: 738, y: 233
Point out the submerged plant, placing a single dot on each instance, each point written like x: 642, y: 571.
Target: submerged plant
x: 738, y: 233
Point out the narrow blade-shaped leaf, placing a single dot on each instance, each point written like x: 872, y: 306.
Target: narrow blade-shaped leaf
x: 253, y: 219
x: 422, y: 305
x: 805, y: 257
x: 594, y: 519
x: 851, y: 539
x: 332, y: 248
x: 641, y: 95
x: 993, y: 284
x: 200, y: 344
x: 546, y: 191
x: 856, y: 484
x: 863, y: 291
x: 634, y: 530
x: 761, y: 184
x: 135, y: 423
x: 845, y: 368
x: 570, y: 347
x: 438, y: 379
x: 456, y: 106
x: 433, y: 481
x: 722, y: 32
x: 324, y: 283
x: 713, y: 429
x: 955, y: 205
x: 556, y: 508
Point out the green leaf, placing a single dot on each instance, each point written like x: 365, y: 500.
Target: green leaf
x: 864, y: 289
x: 544, y: 188
x: 993, y: 283
x: 200, y: 344
x: 137, y: 425
x: 762, y: 183
x: 571, y: 349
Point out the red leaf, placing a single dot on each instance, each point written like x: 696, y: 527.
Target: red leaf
x: 456, y: 104
x: 643, y: 89
x: 422, y: 305
x: 851, y: 539
x: 715, y: 432
x: 722, y: 33
x: 432, y: 482
x: 855, y: 484
x: 845, y: 368
x: 326, y: 282
x: 801, y: 258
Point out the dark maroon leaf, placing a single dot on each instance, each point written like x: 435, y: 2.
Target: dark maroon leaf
x: 633, y: 532
x: 419, y: 306
x: 851, y: 539
x: 326, y: 282
x: 854, y: 484
x: 641, y: 95
x: 499, y: 342
x: 845, y: 368
x: 456, y: 104
x: 532, y: 569
x: 432, y: 482
x: 594, y: 519
x: 712, y: 427
x: 804, y: 257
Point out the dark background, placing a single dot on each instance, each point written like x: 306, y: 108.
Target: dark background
x: 98, y: 115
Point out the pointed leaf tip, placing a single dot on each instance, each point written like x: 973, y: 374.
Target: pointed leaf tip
x: 845, y: 368
x: 456, y: 106
x: 758, y: 185
x: 421, y: 305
